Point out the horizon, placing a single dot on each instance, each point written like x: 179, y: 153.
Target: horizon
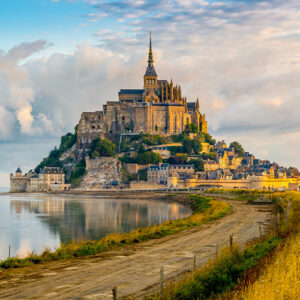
x: 60, y: 58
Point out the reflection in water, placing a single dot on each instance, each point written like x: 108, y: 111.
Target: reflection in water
x: 35, y: 221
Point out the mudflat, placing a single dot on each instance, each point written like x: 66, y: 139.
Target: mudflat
x: 135, y: 270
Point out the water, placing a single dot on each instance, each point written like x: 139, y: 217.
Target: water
x: 32, y: 222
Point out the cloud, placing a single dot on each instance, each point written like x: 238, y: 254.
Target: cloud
x: 241, y: 58
x: 16, y: 94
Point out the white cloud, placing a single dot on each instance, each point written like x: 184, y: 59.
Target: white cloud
x: 240, y: 58
x: 16, y: 94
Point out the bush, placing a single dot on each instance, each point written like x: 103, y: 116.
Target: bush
x: 103, y: 147
x: 198, y: 164
x: 177, y: 159
x: 148, y: 157
x: 209, y: 139
x: 238, y: 148
x: 78, y: 172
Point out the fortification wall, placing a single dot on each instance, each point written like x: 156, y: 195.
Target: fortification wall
x: 18, y: 184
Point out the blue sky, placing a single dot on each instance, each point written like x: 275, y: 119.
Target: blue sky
x: 56, y: 21
x: 59, y: 58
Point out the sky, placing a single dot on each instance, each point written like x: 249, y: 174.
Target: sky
x: 59, y: 58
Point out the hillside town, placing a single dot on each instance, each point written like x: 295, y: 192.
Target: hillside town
x: 150, y: 139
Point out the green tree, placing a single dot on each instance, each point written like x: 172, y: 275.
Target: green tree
x: 194, y: 128
x: 196, y: 145
x: 209, y: 139
x: 198, y: 164
x: 201, y: 137
x: 148, y: 157
x: 238, y: 148
x: 177, y: 159
x: 187, y: 146
x: 78, y: 172
x: 104, y: 147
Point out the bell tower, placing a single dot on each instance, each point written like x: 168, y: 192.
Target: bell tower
x: 150, y: 77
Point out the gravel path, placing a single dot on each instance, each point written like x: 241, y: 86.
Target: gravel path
x: 134, y: 270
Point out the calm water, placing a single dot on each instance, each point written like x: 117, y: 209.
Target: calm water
x: 36, y: 221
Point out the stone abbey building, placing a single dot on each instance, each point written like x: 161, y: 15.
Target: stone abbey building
x: 158, y: 108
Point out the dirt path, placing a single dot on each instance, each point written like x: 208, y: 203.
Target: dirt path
x: 134, y: 270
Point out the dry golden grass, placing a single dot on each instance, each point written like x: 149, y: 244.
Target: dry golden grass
x: 281, y: 278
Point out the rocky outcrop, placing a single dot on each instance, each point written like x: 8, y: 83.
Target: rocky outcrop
x: 101, y: 172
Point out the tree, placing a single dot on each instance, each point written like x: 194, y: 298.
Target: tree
x: 104, y: 147
x: 201, y: 137
x: 198, y: 164
x: 148, y: 157
x: 177, y: 159
x: 212, y: 155
x: 187, y: 146
x: 78, y: 172
x: 194, y: 128
x: 209, y: 139
x: 196, y: 145
x: 237, y: 148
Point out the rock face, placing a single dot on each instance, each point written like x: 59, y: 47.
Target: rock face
x: 101, y: 172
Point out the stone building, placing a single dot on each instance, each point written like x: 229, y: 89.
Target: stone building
x: 160, y: 173
x: 18, y: 182
x: 46, y: 180
x: 51, y: 176
x: 159, y: 107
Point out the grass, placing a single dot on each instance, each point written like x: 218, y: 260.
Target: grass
x: 219, y: 275
x: 204, y: 210
x: 281, y: 276
x: 240, y: 192
x: 236, y: 268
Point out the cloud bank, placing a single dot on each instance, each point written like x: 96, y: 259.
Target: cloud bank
x: 241, y: 58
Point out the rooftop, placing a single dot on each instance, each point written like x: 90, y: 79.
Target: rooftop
x: 131, y: 91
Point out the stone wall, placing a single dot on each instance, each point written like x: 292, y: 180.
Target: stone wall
x: 18, y: 184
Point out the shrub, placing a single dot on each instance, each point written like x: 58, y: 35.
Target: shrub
x: 102, y: 147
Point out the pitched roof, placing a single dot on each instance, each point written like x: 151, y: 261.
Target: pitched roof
x: 150, y: 71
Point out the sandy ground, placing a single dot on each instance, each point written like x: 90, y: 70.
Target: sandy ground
x: 134, y: 270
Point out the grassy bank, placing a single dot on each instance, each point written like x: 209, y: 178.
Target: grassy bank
x: 204, y: 210
x: 280, y: 276
x: 237, y: 192
x: 219, y: 275
x: 235, y: 267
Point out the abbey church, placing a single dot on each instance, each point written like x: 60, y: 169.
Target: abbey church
x: 157, y: 108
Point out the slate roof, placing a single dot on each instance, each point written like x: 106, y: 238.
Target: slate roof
x: 18, y: 170
x: 166, y: 104
x: 150, y: 71
x: 51, y: 170
x: 131, y: 91
x: 190, y: 104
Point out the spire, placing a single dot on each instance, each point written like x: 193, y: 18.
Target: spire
x: 150, y: 56
x: 150, y: 71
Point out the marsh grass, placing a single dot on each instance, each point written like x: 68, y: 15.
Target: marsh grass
x: 233, y: 274
x: 239, y: 192
x: 280, y: 277
x: 204, y: 210
x: 219, y: 275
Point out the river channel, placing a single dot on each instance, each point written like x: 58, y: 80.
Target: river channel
x: 32, y: 222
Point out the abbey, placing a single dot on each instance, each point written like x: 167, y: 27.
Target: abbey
x: 158, y: 108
